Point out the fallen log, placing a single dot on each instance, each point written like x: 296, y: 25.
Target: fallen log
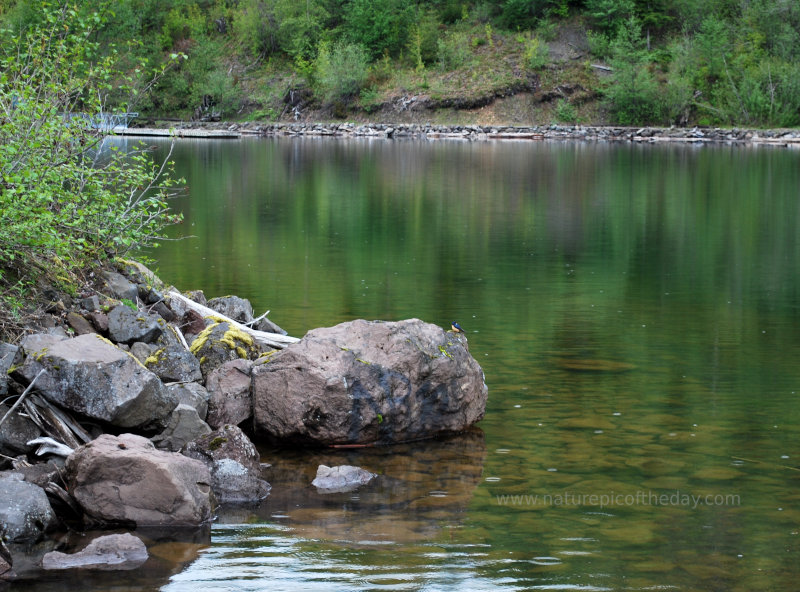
x: 275, y: 340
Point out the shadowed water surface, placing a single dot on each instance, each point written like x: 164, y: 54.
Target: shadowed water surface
x: 636, y: 310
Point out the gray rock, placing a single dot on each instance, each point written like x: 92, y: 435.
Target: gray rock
x: 90, y: 375
x: 194, y: 394
x: 141, y: 274
x: 226, y: 442
x: 7, y: 354
x: 125, y: 480
x: 234, y: 484
x: 266, y: 325
x: 233, y: 307
x: 369, y: 382
x: 90, y: 304
x: 234, y: 463
x: 106, y: 553
x: 174, y: 364
x: 99, y: 320
x: 341, y: 478
x: 16, y: 432
x: 184, y: 426
x: 119, y: 286
x: 141, y: 351
x: 220, y: 343
x: 127, y: 326
x: 25, y: 511
x: 230, y: 400
x: 39, y: 342
x: 198, y: 296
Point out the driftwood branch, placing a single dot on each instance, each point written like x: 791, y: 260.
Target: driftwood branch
x: 275, y: 340
x: 254, y: 321
x: 604, y: 68
x: 22, y: 396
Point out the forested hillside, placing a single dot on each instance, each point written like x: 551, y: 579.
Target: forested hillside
x: 683, y: 62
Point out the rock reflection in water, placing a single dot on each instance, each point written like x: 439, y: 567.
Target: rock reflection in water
x: 170, y: 551
x: 420, y: 488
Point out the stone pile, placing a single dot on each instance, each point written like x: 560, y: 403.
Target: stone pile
x: 132, y: 408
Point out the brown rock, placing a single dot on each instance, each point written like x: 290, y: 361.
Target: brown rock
x: 126, y: 480
x: 79, y: 324
x: 192, y: 323
x: 230, y: 400
x: 369, y: 382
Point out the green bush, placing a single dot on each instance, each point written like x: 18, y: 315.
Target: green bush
x: 536, y: 54
x: 66, y: 200
x: 453, y: 51
x: 341, y: 71
x: 381, y: 26
x: 565, y: 112
x: 632, y: 93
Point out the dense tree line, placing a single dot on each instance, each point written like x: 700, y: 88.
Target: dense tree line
x: 674, y: 61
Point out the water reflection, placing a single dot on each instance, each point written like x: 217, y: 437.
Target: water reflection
x: 170, y: 552
x: 636, y: 311
x: 301, y: 539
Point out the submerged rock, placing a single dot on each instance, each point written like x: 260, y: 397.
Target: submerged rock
x: 88, y: 374
x: 369, y: 382
x: 341, y: 479
x: 125, y: 480
x: 106, y: 553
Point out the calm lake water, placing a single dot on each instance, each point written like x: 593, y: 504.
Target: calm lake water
x: 636, y: 311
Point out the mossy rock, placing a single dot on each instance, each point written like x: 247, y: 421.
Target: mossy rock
x: 220, y: 343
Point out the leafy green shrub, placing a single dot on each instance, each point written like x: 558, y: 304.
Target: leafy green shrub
x: 536, y: 54
x: 609, y: 15
x: 341, y: 71
x: 66, y: 199
x: 632, y: 93
x: 453, y: 51
x: 565, y: 112
x: 520, y: 15
x: 381, y: 26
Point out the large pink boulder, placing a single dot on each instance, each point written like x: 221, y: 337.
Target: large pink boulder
x: 369, y: 382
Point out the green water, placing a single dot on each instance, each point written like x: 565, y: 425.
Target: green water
x: 636, y: 310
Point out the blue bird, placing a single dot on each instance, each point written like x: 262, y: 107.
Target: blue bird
x: 456, y: 327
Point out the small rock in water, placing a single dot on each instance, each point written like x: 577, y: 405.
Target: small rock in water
x: 111, y: 552
x: 341, y: 479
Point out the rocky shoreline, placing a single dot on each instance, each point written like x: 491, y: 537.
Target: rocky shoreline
x: 135, y: 406
x: 653, y: 135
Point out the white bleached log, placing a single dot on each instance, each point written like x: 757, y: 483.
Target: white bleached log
x: 275, y: 340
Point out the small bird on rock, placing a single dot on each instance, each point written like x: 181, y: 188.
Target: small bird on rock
x: 456, y: 327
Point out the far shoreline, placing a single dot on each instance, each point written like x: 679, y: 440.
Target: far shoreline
x: 789, y: 138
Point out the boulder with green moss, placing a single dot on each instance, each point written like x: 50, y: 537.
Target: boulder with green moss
x: 219, y: 343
